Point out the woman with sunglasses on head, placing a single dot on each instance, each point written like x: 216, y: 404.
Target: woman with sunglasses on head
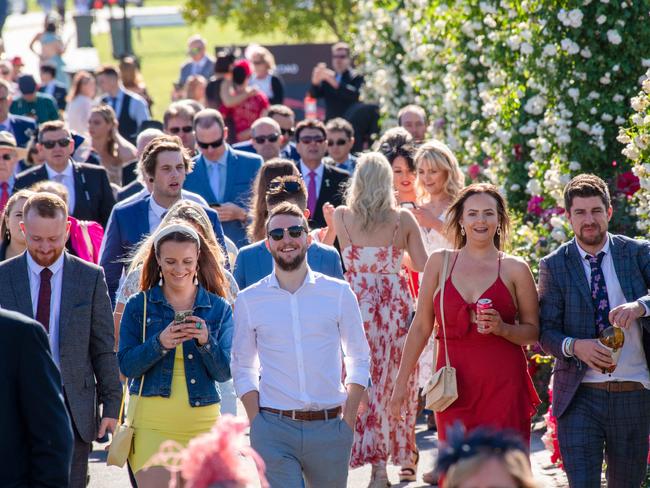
x: 187, y: 329
x: 374, y: 233
x: 490, y: 312
x: 13, y: 240
x: 108, y: 145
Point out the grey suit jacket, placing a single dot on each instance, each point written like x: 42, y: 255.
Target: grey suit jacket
x: 86, y: 338
x: 566, y: 308
x: 186, y: 70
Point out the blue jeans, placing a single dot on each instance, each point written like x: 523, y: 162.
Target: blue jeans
x: 319, y: 450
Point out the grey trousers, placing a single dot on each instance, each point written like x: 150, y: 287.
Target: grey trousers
x: 319, y: 450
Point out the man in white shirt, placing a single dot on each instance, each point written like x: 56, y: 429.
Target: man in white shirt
x: 294, y: 330
x: 594, y: 281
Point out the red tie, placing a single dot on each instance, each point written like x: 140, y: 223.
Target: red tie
x: 4, y: 195
x: 44, y: 298
x: 311, y: 193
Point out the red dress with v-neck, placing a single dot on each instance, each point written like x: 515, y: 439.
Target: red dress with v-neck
x: 494, y: 387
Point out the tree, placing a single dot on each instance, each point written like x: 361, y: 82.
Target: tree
x: 298, y: 19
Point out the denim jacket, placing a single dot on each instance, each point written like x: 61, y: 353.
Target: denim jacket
x: 203, y: 364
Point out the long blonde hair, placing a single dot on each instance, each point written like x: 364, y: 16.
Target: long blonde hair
x: 370, y: 194
x: 435, y: 154
x: 107, y: 113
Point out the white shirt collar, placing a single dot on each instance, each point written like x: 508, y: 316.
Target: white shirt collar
x: 309, y: 278
x: 584, y: 254
x: 36, y: 268
x: 304, y: 169
x: 51, y: 172
x: 156, y: 209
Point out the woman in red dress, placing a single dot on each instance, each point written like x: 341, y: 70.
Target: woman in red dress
x: 494, y: 387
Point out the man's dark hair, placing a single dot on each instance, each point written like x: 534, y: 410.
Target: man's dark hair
x: 279, y: 109
x: 51, y: 126
x: 584, y: 186
x: 287, y: 208
x: 341, y: 125
x: 310, y: 124
x: 109, y: 70
x: 49, y: 69
x: 341, y: 45
x: 207, y: 118
x: 46, y: 205
x: 164, y: 143
x: 178, y: 109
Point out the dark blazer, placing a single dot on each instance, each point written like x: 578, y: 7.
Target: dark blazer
x: 566, y: 308
x: 128, y: 172
x: 36, y: 446
x: 60, y: 94
x: 254, y: 262
x: 241, y: 171
x: 128, y: 226
x: 23, y: 128
x: 86, y: 337
x: 339, y: 100
x: 129, y: 190
x: 331, y: 190
x: 289, y: 152
x: 93, y: 194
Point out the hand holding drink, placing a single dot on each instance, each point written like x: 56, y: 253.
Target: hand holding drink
x: 482, y: 306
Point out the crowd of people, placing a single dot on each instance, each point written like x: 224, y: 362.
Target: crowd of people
x: 231, y: 252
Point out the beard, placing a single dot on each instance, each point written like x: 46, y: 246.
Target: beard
x: 45, y: 260
x: 289, y: 265
x: 595, y: 239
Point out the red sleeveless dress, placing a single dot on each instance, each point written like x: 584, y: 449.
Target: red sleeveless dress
x: 494, y: 387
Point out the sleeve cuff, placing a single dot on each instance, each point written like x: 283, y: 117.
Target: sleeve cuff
x: 645, y: 308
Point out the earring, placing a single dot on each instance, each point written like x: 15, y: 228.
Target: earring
x: 462, y: 230
x: 196, y: 277
x: 499, y: 230
x: 160, y: 281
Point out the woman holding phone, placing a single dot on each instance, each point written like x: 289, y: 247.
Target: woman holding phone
x: 186, y: 349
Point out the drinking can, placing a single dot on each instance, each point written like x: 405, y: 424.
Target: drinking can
x: 482, y: 304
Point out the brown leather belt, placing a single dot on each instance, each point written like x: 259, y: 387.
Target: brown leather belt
x: 615, y: 386
x: 332, y: 413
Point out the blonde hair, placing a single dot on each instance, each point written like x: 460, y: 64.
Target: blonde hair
x: 370, y: 195
x: 107, y: 113
x: 515, y: 463
x: 437, y: 155
x: 266, y: 55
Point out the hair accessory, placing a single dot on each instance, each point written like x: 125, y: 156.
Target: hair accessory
x: 170, y: 229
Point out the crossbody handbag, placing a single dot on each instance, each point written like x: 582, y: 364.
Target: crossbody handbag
x: 442, y: 390
x: 118, y: 451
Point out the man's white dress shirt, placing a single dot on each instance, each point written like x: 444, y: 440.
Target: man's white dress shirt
x: 66, y: 178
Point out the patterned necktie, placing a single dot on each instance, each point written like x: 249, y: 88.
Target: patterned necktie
x: 311, y: 193
x: 4, y: 194
x: 599, y: 292
x: 44, y: 299
x: 59, y: 178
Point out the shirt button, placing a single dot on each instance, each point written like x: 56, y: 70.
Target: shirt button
x: 190, y: 356
x: 192, y: 381
x: 197, y: 404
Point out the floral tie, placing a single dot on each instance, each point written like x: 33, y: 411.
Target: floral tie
x: 599, y: 292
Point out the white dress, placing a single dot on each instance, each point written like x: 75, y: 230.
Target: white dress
x: 78, y: 113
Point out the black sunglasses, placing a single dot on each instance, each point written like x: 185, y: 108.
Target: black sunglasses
x: 263, y: 139
x: 288, y: 186
x: 338, y: 142
x: 295, y: 231
x: 214, y: 144
x: 7, y: 157
x: 65, y: 142
x: 310, y: 139
x: 177, y: 130
x: 287, y: 132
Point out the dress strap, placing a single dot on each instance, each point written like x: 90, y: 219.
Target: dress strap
x: 453, y: 265
x: 392, y: 242
x: 345, y: 227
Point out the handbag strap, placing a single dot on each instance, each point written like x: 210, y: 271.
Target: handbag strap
x: 144, y: 324
x: 443, y: 279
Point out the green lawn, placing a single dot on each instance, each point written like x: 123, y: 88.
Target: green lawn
x: 162, y: 51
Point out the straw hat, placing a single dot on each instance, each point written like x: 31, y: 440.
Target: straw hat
x: 7, y: 140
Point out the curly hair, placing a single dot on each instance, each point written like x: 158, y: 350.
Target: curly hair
x: 436, y: 155
x: 370, y: 194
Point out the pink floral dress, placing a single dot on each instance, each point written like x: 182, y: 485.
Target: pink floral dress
x: 375, y: 275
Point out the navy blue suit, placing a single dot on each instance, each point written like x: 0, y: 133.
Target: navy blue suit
x: 60, y: 94
x: 23, y: 128
x: 241, y: 171
x: 127, y: 227
x: 254, y: 262
x: 288, y: 152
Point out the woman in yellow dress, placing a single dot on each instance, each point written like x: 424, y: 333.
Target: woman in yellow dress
x: 186, y: 348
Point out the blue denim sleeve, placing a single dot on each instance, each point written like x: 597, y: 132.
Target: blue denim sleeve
x: 215, y: 354
x: 136, y: 358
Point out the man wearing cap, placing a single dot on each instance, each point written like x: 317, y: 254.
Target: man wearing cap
x: 22, y: 128
x: 39, y: 106
x: 10, y: 154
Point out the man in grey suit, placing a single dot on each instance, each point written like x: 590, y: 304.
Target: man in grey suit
x: 593, y: 281
x: 198, y: 64
x: 69, y: 298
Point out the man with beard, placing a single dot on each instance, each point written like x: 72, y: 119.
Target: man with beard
x: 594, y: 281
x: 69, y: 298
x: 291, y: 329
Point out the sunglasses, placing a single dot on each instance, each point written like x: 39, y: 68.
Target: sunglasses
x: 288, y: 186
x: 65, y: 142
x: 7, y: 157
x: 263, y: 139
x: 310, y: 139
x: 259, y: 61
x: 194, y: 50
x: 287, y: 132
x: 214, y: 144
x: 338, y: 142
x: 295, y: 231
x: 177, y: 130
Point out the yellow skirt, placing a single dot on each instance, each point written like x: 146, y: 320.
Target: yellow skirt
x: 159, y: 419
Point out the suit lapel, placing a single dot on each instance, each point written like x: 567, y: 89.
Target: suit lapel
x: 314, y: 257
x: 79, y: 191
x: 142, y: 212
x: 621, y: 260
x: 68, y: 281
x: 204, y: 180
x: 22, y: 290
x: 577, y: 272
x: 263, y: 258
x: 231, y: 167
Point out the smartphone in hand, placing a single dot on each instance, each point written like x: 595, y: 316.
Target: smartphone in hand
x: 179, y: 317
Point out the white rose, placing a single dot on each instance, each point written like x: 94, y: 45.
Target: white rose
x: 619, y: 120
x: 574, y: 166
x: 618, y: 98
x: 614, y: 37
x: 601, y: 19
x: 575, y: 18
x: 559, y: 235
x: 639, y: 103
x: 549, y: 50
x: 622, y: 137
x: 605, y: 80
x: 642, y: 141
x: 583, y: 126
x: 606, y: 117
x: 574, y: 93
x: 593, y: 111
x: 646, y: 85
x: 631, y: 152
x: 637, y: 119
x: 585, y: 53
x: 526, y: 48
x: 515, y: 187
x: 534, y: 187
x: 569, y: 46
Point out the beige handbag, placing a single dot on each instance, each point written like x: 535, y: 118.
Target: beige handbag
x: 120, y: 447
x: 441, y: 390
